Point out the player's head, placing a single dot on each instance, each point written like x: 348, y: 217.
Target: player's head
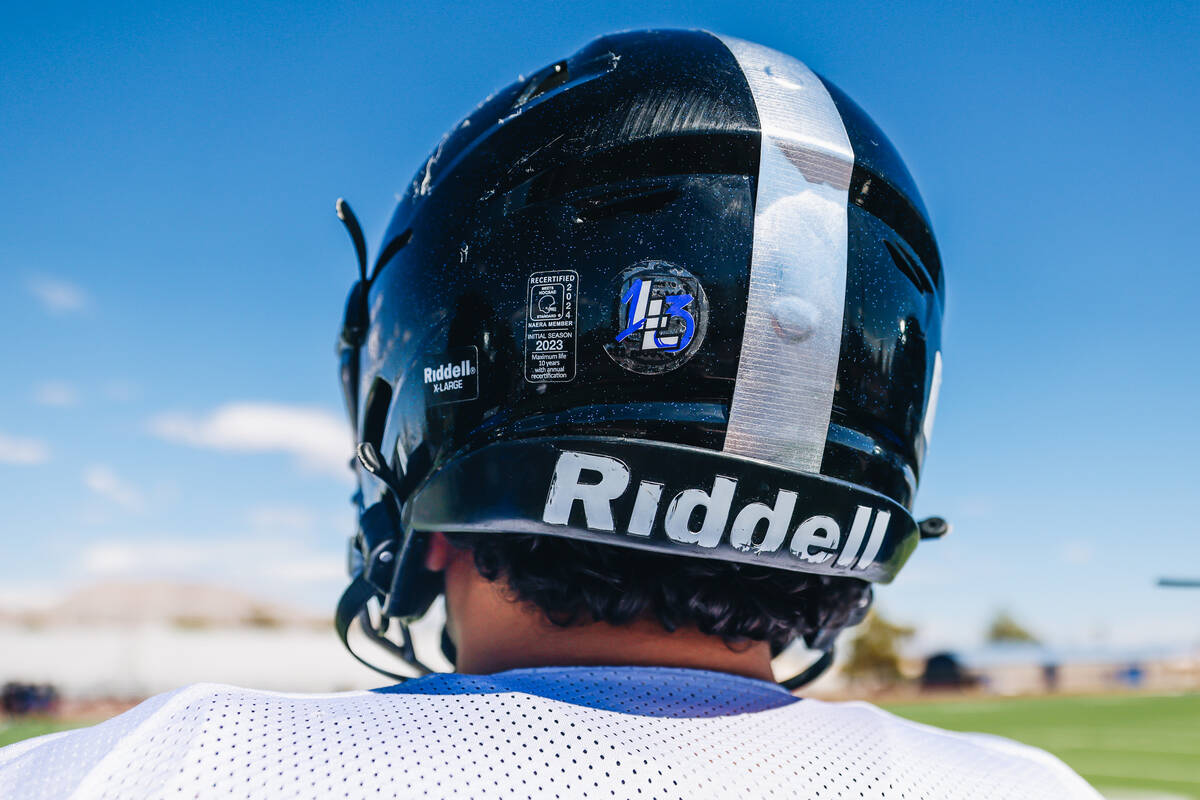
x: 672, y: 304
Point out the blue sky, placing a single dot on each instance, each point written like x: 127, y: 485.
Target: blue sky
x: 172, y: 276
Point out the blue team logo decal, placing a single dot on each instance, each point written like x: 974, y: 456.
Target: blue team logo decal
x: 661, y: 317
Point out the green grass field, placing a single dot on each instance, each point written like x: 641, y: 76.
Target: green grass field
x: 11, y: 731
x: 1120, y: 743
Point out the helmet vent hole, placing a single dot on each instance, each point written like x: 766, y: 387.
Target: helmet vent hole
x: 616, y: 205
x: 550, y: 78
x: 910, y: 269
x: 379, y: 399
x: 876, y: 196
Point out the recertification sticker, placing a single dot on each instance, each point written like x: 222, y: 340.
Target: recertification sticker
x: 551, y: 326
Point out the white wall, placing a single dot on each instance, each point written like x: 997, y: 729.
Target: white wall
x: 139, y: 661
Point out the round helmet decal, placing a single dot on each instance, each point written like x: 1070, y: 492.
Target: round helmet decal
x: 660, y: 317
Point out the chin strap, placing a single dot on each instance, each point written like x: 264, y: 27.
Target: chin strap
x: 353, y: 606
x: 814, y: 671
x: 374, y: 556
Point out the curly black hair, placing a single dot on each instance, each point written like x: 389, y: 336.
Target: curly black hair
x: 575, y: 582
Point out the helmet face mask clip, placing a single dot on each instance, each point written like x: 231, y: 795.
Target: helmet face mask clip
x: 712, y: 333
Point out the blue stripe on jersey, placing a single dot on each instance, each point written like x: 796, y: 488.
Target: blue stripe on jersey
x: 644, y: 691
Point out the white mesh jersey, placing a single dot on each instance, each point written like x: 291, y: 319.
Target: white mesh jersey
x: 631, y: 732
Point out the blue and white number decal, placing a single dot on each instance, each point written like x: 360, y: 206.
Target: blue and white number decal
x: 661, y: 318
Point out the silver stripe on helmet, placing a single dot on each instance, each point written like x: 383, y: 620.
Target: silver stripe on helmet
x: 790, y: 349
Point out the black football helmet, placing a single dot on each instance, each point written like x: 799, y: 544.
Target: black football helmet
x: 676, y: 293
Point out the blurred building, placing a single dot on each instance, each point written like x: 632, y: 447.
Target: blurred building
x: 130, y: 640
x: 1028, y: 668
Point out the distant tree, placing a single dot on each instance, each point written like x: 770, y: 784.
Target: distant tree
x: 261, y: 618
x: 190, y: 622
x: 875, y: 651
x: 1006, y: 629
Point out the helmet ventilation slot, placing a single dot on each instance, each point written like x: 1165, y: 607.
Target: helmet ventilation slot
x: 550, y: 78
x: 379, y: 399
x: 644, y: 200
x: 910, y: 268
x: 630, y: 169
x: 878, y: 198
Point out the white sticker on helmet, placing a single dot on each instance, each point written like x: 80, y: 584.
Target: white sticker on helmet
x: 784, y: 391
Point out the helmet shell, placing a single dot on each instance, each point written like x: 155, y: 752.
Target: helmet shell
x: 514, y: 261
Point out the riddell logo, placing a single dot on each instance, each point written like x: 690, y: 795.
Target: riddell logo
x: 454, y: 379
x: 815, y: 539
x: 448, y: 372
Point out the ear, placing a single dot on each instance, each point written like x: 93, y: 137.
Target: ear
x: 438, y: 553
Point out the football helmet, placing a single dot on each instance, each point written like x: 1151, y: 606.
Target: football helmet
x: 675, y: 292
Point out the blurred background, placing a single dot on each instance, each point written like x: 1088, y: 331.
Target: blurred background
x: 173, y: 480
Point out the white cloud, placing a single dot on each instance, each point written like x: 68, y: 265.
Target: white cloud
x: 106, y: 483
x: 245, y: 561
x: 30, y: 595
x: 128, y: 558
x: 282, y: 518
x: 21, y: 450
x: 302, y: 570
x: 121, y: 391
x: 58, y: 295
x: 111, y: 558
x: 55, y: 393
x: 318, y: 439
